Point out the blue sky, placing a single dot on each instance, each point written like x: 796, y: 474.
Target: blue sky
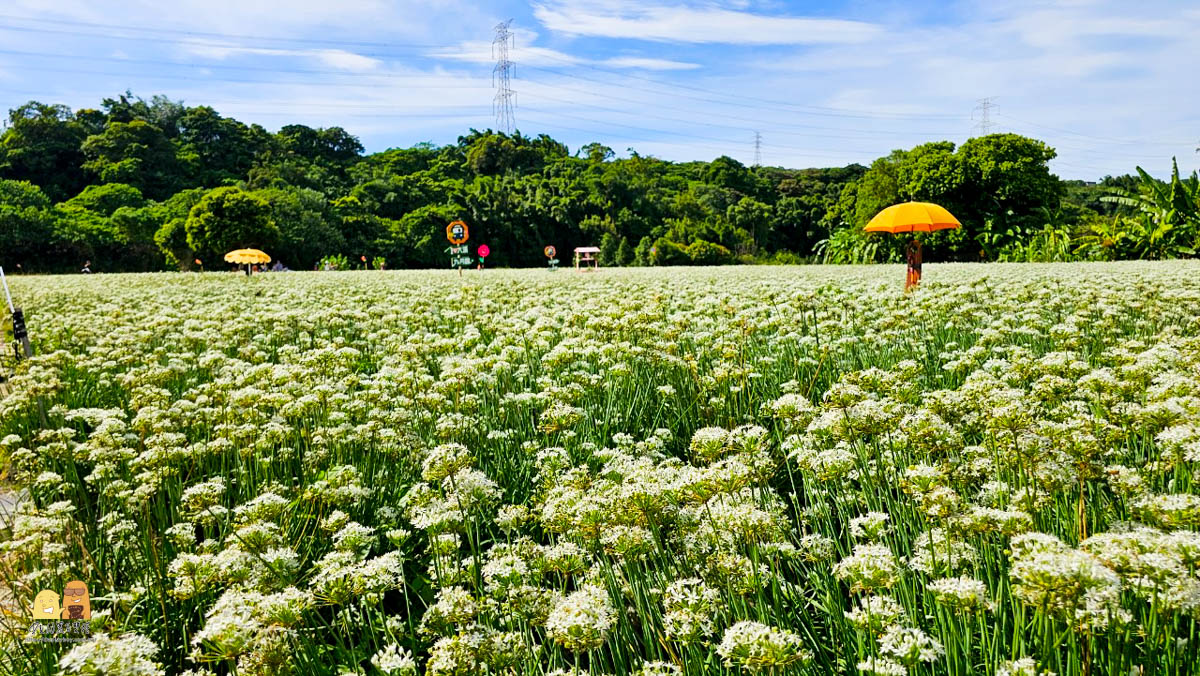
x: 1108, y: 84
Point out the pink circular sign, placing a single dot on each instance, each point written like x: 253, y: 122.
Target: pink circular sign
x: 484, y: 251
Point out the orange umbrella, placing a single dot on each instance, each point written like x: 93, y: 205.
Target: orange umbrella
x: 912, y: 217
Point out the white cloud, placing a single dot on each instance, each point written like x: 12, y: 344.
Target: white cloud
x: 524, y: 51
x: 481, y: 52
x: 694, y: 24
x: 335, y: 58
x: 648, y: 63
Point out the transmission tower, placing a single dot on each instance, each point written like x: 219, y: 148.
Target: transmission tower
x: 984, y: 122
x: 757, y: 149
x: 505, y: 99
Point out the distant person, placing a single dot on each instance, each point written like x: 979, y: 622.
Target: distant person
x: 913, y: 256
x: 87, y: 268
x: 278, y: 267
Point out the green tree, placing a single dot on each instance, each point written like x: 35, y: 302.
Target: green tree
x: 113, y: 225
x: 215, y: 150
x: 333, y: 145
x: 306, y: 230
x: 42, y: 146
x: 596, y: 152
x: 668, y: 252
x: 365, y: 233
x: 418, y: 239
x: 1007, y: 185
x: 106, y: 198
x: 701, y: 252
x: 171, y: 240
x: 754, y: 218
x: 726, y: 172
x: 171, y: 236
x: 229, y: 218
x: 159, y: 111
x: 27, y: 226
x: 608, y: 249
x: 877, y: 189
x: 489, y: 154
x: 137, y: 153
x: 642, y: 254
x: 624, y: 253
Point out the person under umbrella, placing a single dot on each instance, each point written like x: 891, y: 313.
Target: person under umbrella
x: 912, y: 217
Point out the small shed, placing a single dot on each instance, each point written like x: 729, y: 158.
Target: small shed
x: 586, y: 257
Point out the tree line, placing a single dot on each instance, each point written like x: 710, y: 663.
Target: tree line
x: 138, y: 185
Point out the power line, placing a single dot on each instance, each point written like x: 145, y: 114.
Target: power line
x: 305, y: 83
x: 729, y: 147
x: 839, y: 112
x: 737, y: 118
x: 181, y: 64
x: 740, y: 103
x: 203, y: 34
x: 502, y: 77
x: 725, y: 142
x: 1105, y: 139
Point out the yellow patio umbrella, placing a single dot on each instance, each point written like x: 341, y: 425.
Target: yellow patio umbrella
x: 913, y: 217
x: 247, y: 257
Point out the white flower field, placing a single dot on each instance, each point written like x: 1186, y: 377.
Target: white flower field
x: 771, y: 470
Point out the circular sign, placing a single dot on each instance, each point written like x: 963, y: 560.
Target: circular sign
x: 484, y: 251
x: 549, y: 251
x: 457, y: 232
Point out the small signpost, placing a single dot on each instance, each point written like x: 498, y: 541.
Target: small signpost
x: 460, y: 253
x: 483, y: 251
x: 457, y: 232
x: 550, y: 251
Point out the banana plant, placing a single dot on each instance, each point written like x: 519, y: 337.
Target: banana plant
x: 1106, y: 239
x: 1167, y: 219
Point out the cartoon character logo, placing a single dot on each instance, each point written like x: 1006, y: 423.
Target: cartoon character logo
x: 77, y: 605
x: 45, y: 605
x: 457, y: 232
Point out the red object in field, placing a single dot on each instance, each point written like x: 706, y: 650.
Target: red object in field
x: 484, y: 251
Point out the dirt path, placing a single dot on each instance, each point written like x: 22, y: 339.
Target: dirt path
x: 9, y: 499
